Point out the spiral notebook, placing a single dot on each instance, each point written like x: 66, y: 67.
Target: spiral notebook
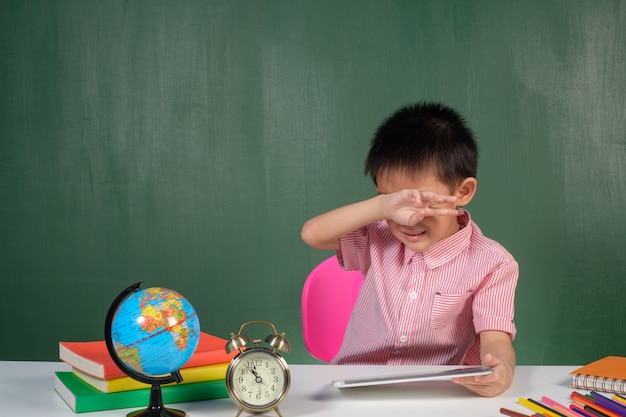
x: 414, y: 377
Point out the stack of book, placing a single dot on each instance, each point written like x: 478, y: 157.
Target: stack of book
x: 96, y: 383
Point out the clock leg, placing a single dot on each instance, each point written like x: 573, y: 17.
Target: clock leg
x: 278, y: 411
x: 239, y: 412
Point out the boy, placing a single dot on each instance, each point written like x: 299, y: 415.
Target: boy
x: 436, y: 291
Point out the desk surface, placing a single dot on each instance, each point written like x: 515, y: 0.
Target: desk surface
x: 27, y: 388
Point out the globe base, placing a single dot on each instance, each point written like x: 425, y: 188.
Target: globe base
x: 156, y: 408
x: 161, y: 412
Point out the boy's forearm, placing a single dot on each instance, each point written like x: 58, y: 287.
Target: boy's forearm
x: 499, y: 345
x: 325, y: 230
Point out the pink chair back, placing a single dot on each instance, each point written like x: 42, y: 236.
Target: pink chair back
x: 328, y: 297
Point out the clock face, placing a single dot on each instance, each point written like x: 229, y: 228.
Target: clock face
x: 257, y: 379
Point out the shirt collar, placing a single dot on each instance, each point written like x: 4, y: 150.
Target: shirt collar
x: 446, y: 249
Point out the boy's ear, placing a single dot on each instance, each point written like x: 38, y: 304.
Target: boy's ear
x: 465, y: 191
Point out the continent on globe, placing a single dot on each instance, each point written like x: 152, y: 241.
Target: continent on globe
x: 130, y: 356
x: 164, y: 312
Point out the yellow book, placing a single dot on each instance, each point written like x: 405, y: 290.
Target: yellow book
x: 196, y: 374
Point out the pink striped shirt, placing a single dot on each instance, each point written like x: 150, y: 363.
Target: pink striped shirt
x: 426, y: 308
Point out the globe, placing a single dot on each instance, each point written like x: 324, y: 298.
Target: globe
x: 150, y: 334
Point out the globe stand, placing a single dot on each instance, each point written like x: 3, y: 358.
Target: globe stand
x: 155, y: 407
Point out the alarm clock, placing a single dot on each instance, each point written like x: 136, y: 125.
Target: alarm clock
x: 258, y: 378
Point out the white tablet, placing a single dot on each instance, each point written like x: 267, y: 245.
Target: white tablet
x: 415, y: 377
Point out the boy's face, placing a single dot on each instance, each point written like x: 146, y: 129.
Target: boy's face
x: 431, y: 229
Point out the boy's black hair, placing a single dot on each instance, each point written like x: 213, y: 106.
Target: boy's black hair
x: 424, y: 136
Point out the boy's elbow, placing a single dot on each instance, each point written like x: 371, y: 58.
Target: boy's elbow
x: 307, y: 235
x: 310, y: 237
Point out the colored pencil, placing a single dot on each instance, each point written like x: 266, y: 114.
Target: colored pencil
x: 548, y: 410
x: 619, y: 399
x: 512, y: 413
x: 559, y: 407
x: 593, y: 411
x: 608, y: 403
x: 584, y: 401
x: 581, y: 411
x: 538, y: 408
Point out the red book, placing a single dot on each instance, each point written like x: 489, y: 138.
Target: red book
x: 93, y: 357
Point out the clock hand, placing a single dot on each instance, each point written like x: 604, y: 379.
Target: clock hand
x: 257, y: 378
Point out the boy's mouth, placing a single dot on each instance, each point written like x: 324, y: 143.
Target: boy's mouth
x: 414, y: 236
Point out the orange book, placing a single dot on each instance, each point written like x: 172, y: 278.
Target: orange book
x: 605, y: 375
x: 93, y: 357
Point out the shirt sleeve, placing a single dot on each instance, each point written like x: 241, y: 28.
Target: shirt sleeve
x: 353, y: 252
x: 494, y: 303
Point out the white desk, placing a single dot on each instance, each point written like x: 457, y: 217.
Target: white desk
x: 27, y: 389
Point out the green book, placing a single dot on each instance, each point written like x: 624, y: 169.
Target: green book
x: 82, y: 397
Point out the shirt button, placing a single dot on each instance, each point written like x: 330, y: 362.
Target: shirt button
x: 413, y: 296
x: 403, y: 339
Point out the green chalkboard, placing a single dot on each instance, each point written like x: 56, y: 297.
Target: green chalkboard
x: 185, y: 143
